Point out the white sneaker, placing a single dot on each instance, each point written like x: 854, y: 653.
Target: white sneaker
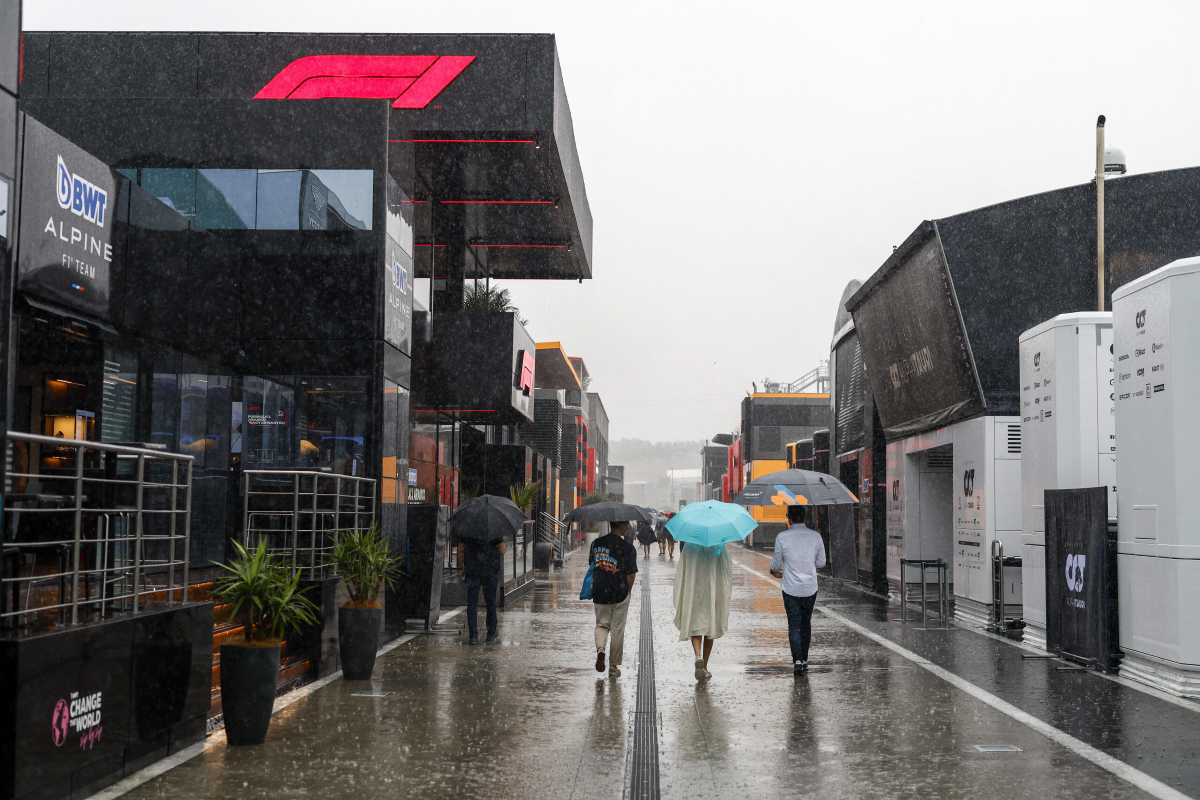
x: 614, y: 672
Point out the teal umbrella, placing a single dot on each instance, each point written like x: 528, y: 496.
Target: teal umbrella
x: 711, y: 523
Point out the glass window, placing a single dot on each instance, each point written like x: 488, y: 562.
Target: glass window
x: 226, y: 198
x: 349, y: 193
x: 175, y: 187
x: 278, y: 201
x: 118, y: 402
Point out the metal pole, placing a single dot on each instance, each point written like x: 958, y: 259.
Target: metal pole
x: 80, y: 453
x: 171, y: 533
x: 924, y: 598
x: 1100, y: 213
x: 187, y: 530
x: 137, y: 543
x: 246, y: 513
x: 295, y: 519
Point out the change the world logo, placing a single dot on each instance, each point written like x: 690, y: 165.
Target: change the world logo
x: 83, y: 198
x: 1075, y: 564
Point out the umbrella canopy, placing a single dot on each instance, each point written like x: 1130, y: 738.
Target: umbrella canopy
x: 795, y: 487
x: 487, y: 518
x: 711, y: 523
x: 608, y: 511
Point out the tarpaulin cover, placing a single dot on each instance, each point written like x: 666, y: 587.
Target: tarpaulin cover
x: 1081, y: 572
x: 908, y: 322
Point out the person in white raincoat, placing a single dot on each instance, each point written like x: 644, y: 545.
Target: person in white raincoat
x: 703, y: 586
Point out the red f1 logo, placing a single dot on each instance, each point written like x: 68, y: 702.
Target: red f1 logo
x: 410, y: 81
x: 525, y: 364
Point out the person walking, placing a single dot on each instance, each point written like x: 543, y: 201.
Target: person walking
x: 660, y: 519
x: 479, y: 565
x: 614, y: 562
x: 668, y: 538
x: 703, y: 586
x: 799, y: 551
x: 646, y: 536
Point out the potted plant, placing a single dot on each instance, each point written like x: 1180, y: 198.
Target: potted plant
x: 523, y: 496
x: 266, y: 601
x: 363, y: 560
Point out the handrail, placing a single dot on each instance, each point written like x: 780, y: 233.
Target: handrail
x: 301, y: 521
x: 122, y: 517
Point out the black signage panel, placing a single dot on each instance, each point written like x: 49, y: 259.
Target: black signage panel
x: 73, y: 706
x: 1081, y: 577
x: 913, y: 341
x: 71, y: 211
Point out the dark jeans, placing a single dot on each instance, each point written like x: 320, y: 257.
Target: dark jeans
x: 488, y: 582
x: 799, y: 613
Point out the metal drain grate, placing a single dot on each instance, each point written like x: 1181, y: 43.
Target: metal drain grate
x: 643, y: 781
x: 369, y: 694
x: 996, y: 748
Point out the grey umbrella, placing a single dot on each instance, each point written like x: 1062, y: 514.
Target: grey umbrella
x: 487, y: 518
x: 608, y: 511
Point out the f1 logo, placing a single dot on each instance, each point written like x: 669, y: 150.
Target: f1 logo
x: 968, y: 482
x: 1140, y: 319
x: 525, y: 362
x: 1075, y: 572
x: 409, y: 81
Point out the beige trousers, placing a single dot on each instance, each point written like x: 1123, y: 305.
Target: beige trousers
x: 610, y: 627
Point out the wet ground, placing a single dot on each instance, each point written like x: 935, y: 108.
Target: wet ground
x: 529, y: 717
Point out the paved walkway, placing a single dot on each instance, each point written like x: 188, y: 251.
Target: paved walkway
x: 529, y: 717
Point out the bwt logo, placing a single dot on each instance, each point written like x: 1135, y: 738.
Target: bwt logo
x: 1075, y: 572
x: 399, y: 275
x: 1140, y: 319
x: 409, y: 81
x: 969, y: 482
x: 525, y: 362
x: 84, y: 199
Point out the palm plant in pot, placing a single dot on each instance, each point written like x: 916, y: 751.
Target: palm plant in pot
x: 265, y: 599
x: 363, y: 559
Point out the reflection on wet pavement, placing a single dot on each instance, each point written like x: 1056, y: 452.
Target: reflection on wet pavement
x: 530, y: 718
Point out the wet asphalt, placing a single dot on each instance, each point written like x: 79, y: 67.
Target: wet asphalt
x: 528, y: 717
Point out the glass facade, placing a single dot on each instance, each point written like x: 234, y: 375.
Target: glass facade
x: 264, y: 199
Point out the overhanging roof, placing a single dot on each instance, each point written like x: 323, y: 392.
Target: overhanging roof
x: 553, y: 369
x: 485, y: 117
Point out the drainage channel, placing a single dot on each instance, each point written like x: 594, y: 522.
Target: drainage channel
x: 643, y: 783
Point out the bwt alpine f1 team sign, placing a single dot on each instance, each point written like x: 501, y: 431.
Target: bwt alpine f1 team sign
x: 68, y: 213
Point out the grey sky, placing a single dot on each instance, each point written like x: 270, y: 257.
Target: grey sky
x: 745, y: 160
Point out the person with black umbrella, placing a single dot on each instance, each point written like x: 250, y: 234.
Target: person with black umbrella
x: 480, y: 525
x: 614, y: 568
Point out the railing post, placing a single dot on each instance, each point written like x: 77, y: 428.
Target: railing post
x: 246, y: 512
x: 312, y: 539
x: 171, y: 533
x: 137, y: 544
x: 80, y: 452
x: 187, y: 529
x: 296, y: 517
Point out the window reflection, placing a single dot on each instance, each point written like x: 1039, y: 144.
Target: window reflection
x: 265, y: 199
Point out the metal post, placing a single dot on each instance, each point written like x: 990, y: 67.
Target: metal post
x: 171, y: 533
x: 312, y: 539
x: 295, y: 518
x: 80, y: 452
x: 187, y: 530
x: 246, y: 513
x: 924, y: 597
x: 1100, y: 213
x: 137, y: 544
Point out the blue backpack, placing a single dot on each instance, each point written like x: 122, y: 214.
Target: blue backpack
x: 585, y: 593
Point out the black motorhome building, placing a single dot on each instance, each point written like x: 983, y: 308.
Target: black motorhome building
x: 336, y: 172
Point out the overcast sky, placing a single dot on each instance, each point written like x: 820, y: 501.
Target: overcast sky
x: 745, y: 160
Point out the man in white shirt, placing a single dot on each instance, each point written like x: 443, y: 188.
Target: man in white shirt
x: 798, y: 552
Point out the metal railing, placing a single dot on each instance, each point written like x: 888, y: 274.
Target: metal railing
x: 100, y: 527
x: 298, y: 512
x: 550, y: 529
x: 941, y: 586
x: 817, y: 379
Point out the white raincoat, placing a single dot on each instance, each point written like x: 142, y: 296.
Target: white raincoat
x: 703, y: 586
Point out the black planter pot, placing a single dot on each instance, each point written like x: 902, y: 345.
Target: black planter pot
x: 248, y: 679
x: 358, y: 639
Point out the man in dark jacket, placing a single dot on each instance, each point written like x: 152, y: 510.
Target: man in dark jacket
x: 614, y: 562
x: 479, y: 565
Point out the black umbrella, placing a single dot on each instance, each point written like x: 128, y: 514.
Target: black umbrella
x: 795, y: 487
x: 608, y: 511
x: 487, y: 518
